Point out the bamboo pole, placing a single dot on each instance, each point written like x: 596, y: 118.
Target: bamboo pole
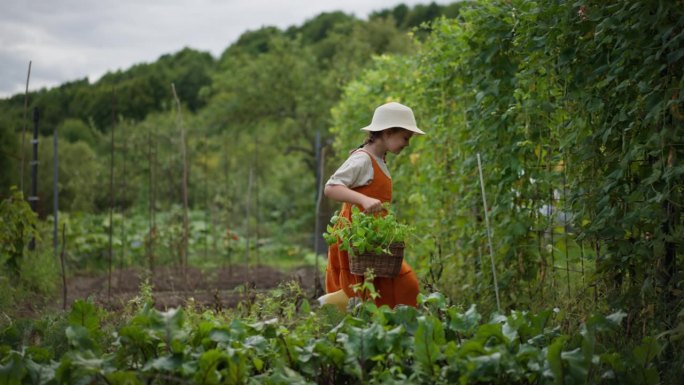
x: 184, y: 247
x: 319, y: 176
x: 257, y: 212
x: 111, y: 196
x: 226, y: 180
x: 550, y: 212
x: 154, y: 168
x: 565, y: 221
x: 33, y: 198
x: 247, y: 215
x: 317, y: 282
x: 205, y: 168
x: 61, y: 258
x: 489, y: 233
x: 55, y: 190
x: 124, y: 238
x: 149, y: 246
x: 23, y: 133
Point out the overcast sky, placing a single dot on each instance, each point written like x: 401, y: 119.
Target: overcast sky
x: 73, y: 39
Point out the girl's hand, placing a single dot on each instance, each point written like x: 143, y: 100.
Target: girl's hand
x: 342, y: 193
x: 371, y: 205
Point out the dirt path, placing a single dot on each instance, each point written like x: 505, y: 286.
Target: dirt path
x: 220, y: 288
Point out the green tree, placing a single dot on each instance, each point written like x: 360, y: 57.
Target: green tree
x: 74, y: 130
x: 251, y: 43
x: 81, y: 176
x: 9, y: 156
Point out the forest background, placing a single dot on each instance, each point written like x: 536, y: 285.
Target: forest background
x: 574, y: 108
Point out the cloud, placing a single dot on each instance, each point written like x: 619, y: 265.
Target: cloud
x: 74, y: 39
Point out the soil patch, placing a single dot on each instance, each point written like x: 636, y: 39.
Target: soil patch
x: 172, y: 287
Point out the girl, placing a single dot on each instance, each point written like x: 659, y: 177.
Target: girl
x: 363, y: 180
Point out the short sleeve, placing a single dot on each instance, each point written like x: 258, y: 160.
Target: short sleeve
x: 356, y: 171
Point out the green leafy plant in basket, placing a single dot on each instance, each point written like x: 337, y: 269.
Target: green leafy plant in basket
x: 366, y: 233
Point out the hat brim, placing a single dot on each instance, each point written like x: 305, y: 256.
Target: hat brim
x: 374, y: 128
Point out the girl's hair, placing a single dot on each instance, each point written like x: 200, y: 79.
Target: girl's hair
x: 372, y: 135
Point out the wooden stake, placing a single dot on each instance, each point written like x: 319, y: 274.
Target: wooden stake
x: 111, y: 196
x: 152, y: 223
x: 55, y: 190
x: 205, y: 168
x: 33, y: 198
x: 247, y: 216
x: 489, y: 233
x: 184, y: 247
x: 61, y: 257
x: 257, y: 212
x: 317, y: 279
x: 23, y: 133
x: 124, y: 239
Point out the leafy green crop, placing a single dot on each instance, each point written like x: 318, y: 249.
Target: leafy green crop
x: 366, y: 233
x: 436, y: 343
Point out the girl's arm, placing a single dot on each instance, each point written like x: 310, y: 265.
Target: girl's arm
x: 342, y: 193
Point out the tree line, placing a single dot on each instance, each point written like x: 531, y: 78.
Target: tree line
x: 265, y: 97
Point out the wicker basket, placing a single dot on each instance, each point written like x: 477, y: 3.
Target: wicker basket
x: 383, y: 265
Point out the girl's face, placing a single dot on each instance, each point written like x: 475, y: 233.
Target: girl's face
x: 396, y: 140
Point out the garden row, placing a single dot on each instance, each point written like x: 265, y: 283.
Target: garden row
x: 280, y: 339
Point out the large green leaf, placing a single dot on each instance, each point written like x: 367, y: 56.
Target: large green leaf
x: 85, y: 314
x: 428, y: 340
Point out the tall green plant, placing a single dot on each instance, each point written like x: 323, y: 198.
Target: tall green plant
x: 17, y: 227
x: 576, y: 111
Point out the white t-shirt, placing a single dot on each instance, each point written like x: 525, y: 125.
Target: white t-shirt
x: 357, y: 170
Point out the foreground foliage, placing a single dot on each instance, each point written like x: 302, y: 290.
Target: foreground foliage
x: 276, y: 340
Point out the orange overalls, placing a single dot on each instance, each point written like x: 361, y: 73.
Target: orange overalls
x: 402, y: 289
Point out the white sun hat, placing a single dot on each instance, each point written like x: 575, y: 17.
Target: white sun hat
x: 393, y: 114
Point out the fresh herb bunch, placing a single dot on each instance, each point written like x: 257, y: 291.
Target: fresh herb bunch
x: 366, y: 233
